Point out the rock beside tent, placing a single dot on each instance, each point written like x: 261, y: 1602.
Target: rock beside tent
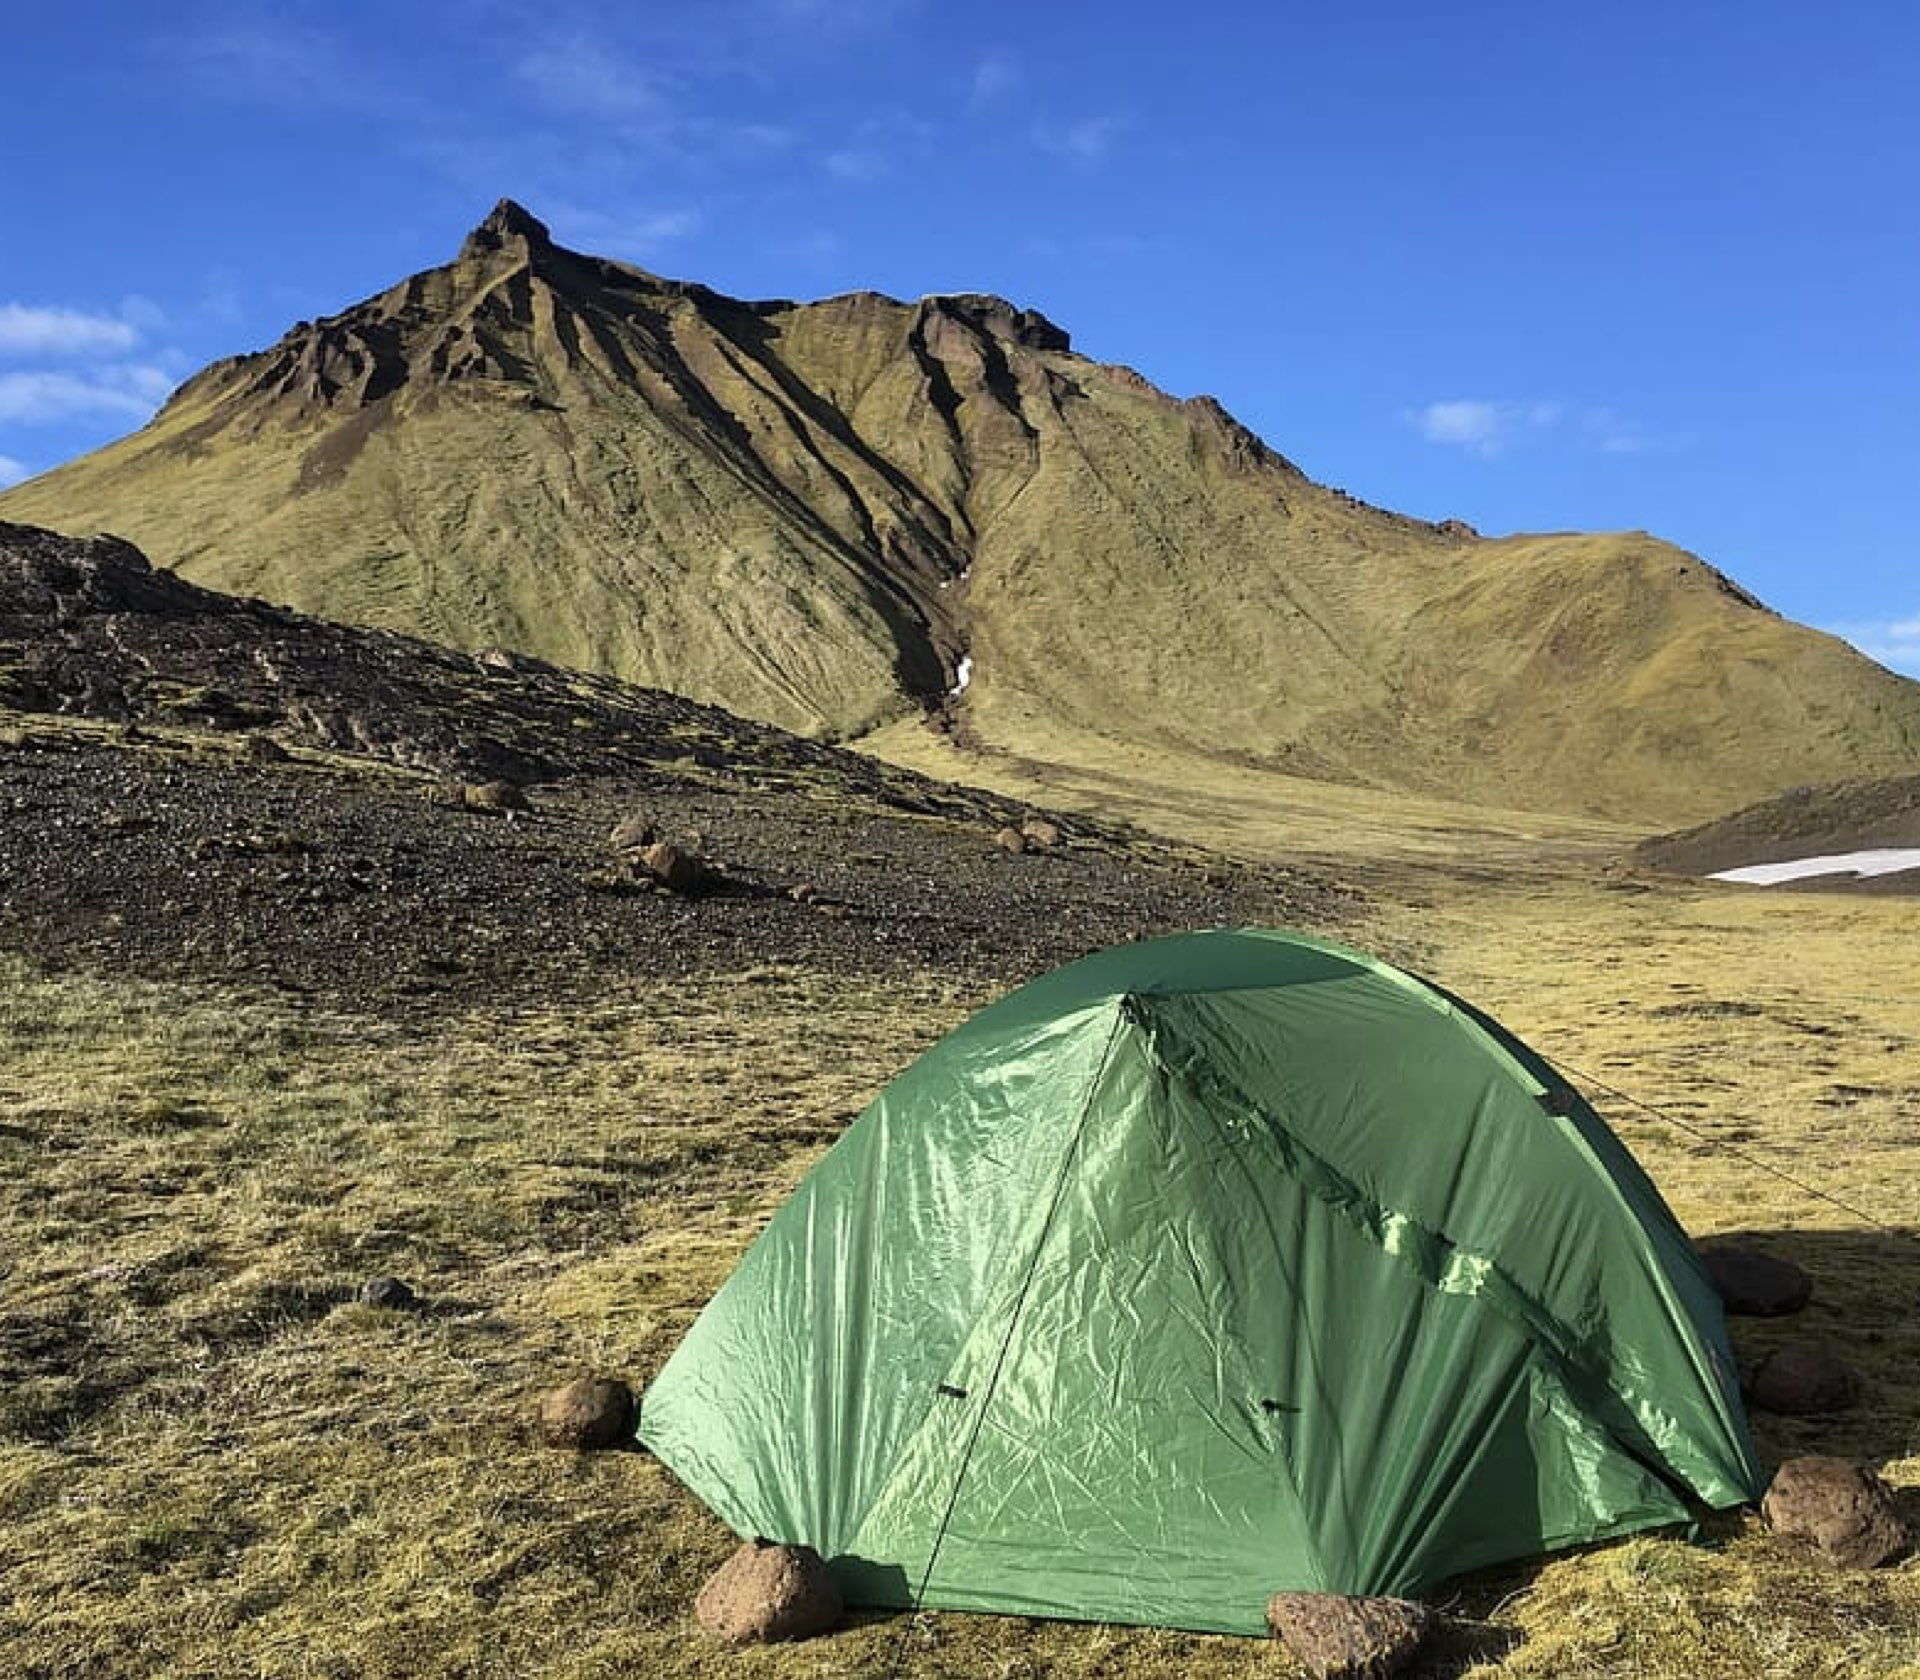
x: 1804, y: 1379
x: 767, y: 1592
x: 1844, y: 1510
x: 1754, y: 1283
x: 1335, y: 1637
x: 587, y: 1414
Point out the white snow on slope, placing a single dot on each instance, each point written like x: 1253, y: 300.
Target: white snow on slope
x: 963, y: 676
x: 1889, y: 861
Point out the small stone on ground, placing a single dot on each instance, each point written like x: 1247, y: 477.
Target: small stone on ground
x: 395, y: 1294
x: 629, y: 834
x: 1755, y: 1283
x: 1336, y: 1637
x: 1844, y: 1510
x: 674, y: 869
x: 494, y: 796
x: 768, y: 1592
x: 588, y: 1413
x: 1804, y: 1379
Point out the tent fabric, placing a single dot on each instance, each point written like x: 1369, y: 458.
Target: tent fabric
x: 1201, y: 1269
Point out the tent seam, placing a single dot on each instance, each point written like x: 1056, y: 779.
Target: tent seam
x: 854, y: 1529
x: 1542, y: 1327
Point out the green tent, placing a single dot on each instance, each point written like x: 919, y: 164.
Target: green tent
x: 1200, y: 1269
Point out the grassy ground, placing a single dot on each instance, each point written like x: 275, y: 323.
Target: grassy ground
x: 214, y: 1463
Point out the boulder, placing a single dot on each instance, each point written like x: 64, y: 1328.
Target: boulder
x: 1844, y: 1510
x: 264, y: 749
x: 493, y: 796
x: 392, y: 1293
x: 589, y: 1412
x: 629, y: 834
x: 1011, y: 840
x: 1804, y: 1379
x: 1334, y: 1637
x: 766, y: 1592
x: 674, y: 869
x: 1759, y: 1284
x: 1038, y: 832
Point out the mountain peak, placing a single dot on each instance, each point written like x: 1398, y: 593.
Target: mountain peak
x: 506, y: 221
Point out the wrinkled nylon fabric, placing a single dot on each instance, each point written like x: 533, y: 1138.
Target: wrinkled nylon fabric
x: 1198, y: 1270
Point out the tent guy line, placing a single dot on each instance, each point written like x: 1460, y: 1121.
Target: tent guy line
x: 1738, y: 1154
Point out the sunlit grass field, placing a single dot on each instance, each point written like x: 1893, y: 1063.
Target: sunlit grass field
x: 214, y: 1462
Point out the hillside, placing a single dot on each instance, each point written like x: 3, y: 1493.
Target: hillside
x: 1805, y: 822
x: 203, y: 787
x: 834, y: 515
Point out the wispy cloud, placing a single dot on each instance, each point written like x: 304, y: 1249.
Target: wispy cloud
x: 28, y: 330
x: 1894, y: 642
x: 1085, y: 141
x: 994, y: 77
x: 1482, y: 427
x: 852, y: 164
x: 845, y: 16
x: 11, y: 471
x: 879, y: 144
x: 819, y: 248
x: 584, y: 78
x: 1489, y: 428
x: 129, y: 389
x: 259, y: 58
x: 637, y: 234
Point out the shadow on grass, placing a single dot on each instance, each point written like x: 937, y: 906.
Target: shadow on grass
x: 1866, y: 1287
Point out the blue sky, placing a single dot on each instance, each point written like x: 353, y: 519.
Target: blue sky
x: 1539, y: 266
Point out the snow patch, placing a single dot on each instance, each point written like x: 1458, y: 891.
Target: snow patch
x: 1887, y: 861
x: 963, y: 676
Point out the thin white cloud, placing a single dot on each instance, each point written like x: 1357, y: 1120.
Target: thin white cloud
x: 994, y: 77
x: 635, y: 234
x: 838, y: 15
x: 1489, y: 428
x: 129, y: 389
x: 28, y: 330
x: 265, y: 58
x: 1086, y: 141
x: 584, y: 78
x: 852, y: 164
x: 1470, y: 423
x: 1895, y: 643
x: 820, y: 248
x: 11, y: 471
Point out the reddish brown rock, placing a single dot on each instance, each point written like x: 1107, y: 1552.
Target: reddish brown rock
x: 674, y: 869
x: 588, y: 1413
x: 631, y: 833
x: 1011, y: 840
x: 1038, y: 832
x: 766, y: 1592
x: 1755, y: 1283
x: 1335, y: 1637
x: 1804, y: 1379
x: 493, y: 796
x: 1844, y: 1510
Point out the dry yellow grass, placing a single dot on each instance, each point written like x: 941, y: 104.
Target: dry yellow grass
x: 214, y: 1463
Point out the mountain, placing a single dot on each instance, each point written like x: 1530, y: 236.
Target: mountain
x: 832, y: 515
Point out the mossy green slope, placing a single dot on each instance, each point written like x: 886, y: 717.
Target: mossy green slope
x: 813, y: 513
